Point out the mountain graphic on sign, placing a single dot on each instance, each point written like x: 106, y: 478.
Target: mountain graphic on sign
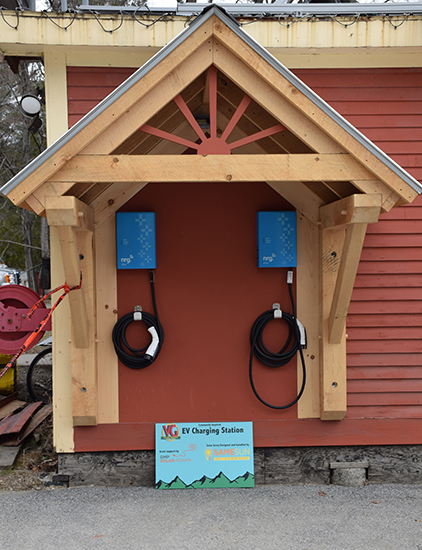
x: 219, y: 481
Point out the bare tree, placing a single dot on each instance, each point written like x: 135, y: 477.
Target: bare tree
x: 19, y: 229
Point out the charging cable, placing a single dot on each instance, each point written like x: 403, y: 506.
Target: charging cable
x: 139, y: 358
x: 296, y: 342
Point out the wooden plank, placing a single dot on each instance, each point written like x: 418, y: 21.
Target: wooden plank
x: 211, y: 168
x: 374, y: 240
x: 267, y: 433
x: 104, y: 77
x: 35, y: 421
x: 359, y: 80
x: 308, y: 295
x: 385, y: 386
x: 352, y: 248
x: 394, y: 307
x: 55, y: 93
x: 381, y: 120
x: 333, y: 355
x: 106, y: 299
x: 391, y: 267
x: 10, y: 408
x: 384, y: 373
x: 119, y: 107
x: 385, y: 411
x: 379, y: 135
x: 72, y: 269
x: 364, y: 106
x: 384, y: 399
x: 7, y: 399
x: 399, y: 226
x: 68, y: 210
x: 302, y: 104
x: 391, y: 333
x: 383, y: 346
x: 84, y: 360
x: 392, y: 280
x: 383, y: 320
x: 387, y: 360
x: 383, y: 294
x: 18, y: 421
x: 351, y: 210
x: 393, y: 254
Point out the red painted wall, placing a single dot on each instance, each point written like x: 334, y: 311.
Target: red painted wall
x: 385, y: 319
x: 209, y: 293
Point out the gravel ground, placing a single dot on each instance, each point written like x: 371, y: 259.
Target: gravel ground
x: 299, y: 517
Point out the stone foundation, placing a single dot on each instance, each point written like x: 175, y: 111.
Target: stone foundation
x: 385, y: 464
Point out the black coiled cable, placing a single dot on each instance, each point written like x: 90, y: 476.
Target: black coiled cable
x: 132, y: 357
x: 280, y: 358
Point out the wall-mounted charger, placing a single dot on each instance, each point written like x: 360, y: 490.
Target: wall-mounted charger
x: 135, y: 236
x: 276, y: 239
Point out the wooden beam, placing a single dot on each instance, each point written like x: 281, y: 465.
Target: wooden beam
x: 350, y: 210
x: 106, y: 299
x: 78, y: 256
x: 70, y: 211
x: 352, y: 249
x: 124, y: 103
x: 84, y: 360
x: 72, y: 272
x: 172, y: 84
x: 112, y: 199
x: 212, y: 168
x: 308, y: 298
x: 299, y: 114
x: 34, y: 204
x: 300, y: 196
x: 304, y: 105
x: 333, y: 390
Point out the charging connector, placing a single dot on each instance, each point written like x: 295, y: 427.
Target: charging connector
x: 133, y: 357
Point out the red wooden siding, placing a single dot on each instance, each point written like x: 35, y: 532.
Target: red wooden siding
x: 385, y: 317
x: 86, y: 87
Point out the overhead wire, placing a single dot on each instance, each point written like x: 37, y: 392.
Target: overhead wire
x: 257, y: 18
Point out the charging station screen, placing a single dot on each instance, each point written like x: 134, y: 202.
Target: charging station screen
x: 135, y: 235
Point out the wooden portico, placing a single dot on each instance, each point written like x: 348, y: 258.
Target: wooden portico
x: 211, y: 107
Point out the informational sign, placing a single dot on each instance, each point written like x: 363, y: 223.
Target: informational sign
x: 195, y: 456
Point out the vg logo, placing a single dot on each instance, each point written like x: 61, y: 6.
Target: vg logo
x: 170, y: 432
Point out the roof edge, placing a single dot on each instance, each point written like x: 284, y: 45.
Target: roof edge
x: 230, y: 22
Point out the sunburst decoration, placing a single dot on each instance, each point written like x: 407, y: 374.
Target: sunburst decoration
x: 212, y: 144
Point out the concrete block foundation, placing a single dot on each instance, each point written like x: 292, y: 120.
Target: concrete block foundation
x: 375, y: 464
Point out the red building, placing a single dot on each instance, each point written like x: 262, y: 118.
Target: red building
x: 338, y: 145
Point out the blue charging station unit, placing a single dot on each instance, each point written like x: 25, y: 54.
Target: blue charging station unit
x: 276, y: 239
x: 135, y: 236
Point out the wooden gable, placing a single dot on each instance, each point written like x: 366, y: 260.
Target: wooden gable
x: 262, y: 124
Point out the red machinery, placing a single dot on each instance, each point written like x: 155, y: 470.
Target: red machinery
x: 15, y: 327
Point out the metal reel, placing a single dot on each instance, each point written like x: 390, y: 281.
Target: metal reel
x: 15, y: 327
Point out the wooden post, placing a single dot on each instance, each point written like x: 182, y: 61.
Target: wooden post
x: 74, y: 223
x: 342, y: 232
